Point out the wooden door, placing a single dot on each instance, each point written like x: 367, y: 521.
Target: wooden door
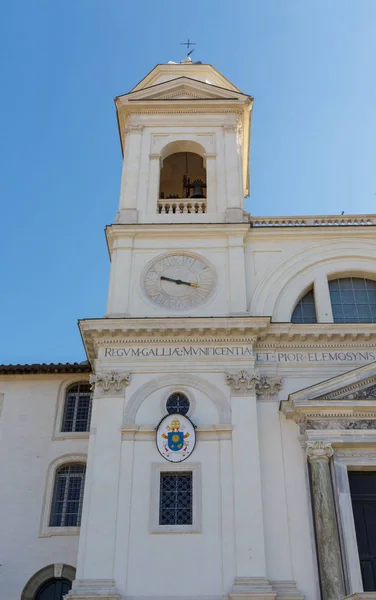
x: 363, y: 496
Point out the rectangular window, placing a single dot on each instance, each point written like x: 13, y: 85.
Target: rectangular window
x: 175, y: 498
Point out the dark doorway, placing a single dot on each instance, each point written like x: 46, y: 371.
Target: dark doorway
x: 363, y: 496
x: 54, y: 589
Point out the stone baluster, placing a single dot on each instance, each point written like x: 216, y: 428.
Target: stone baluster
x: 327, y: 536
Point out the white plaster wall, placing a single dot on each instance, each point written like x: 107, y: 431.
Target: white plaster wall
x: 26, y: 450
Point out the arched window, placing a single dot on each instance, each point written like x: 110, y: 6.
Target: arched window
x: 353, y: 300
x: 68, y: 495
x: 177, y: 403
x: 54, y: 589
x: 305, y: 310
x: 77, y: 409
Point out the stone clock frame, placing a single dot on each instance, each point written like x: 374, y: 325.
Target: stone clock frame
x: 182, y: 252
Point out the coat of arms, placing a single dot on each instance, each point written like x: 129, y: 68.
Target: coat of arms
x: 175, y: 437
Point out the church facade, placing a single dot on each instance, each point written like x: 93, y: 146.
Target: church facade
x: 220, y: 440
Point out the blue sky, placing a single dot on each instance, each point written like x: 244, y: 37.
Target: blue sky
x: 310, y: 64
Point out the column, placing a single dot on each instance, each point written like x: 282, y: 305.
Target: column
x: 129, y: 179
x: 250, y: 576
x: 96, y: 555
x: 327, y: 537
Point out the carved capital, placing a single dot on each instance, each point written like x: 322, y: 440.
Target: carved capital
x: 134, y: 129
x: 319, y: 451
x: 233, y: 128
x: 268, y: 387
x: 243, y: 381
x: 112, y: 383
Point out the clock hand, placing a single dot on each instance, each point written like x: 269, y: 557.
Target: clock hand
x: 179, y: 281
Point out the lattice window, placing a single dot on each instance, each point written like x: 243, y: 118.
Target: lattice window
x: 305, y: 310
x: 353, y: 300
x: 177, y: 403
x: 68, y: 496
x: 175, y: 501
x: 77, y: 410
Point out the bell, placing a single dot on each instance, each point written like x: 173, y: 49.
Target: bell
x: 197, y: 189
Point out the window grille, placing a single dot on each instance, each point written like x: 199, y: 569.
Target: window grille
x: 177, y: 403
x: 77, y: 410
x: 305, y: 310
x: 353, y: 300
x: 68, y: 496
x: 175, y: 501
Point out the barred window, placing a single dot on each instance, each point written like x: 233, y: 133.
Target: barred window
x: 68, y: 496
x: 177, y: 403
x: 77, y: 410
x: 175, y: 501
x: 353, y: 300
x: 305, y: 310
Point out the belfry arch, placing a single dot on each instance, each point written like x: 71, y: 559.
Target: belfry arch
x: 183, y: 180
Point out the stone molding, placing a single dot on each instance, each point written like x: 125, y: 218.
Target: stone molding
x: 244, y: 381
x: 43, y: 575
x: 255, y: 588
x: 146, y: 433
x: 112, y: 383
x: 319, y: 451
x: 93, y: 589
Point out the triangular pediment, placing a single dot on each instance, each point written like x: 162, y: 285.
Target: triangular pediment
x: 182, y: 88
x: 197, y: 71
x: 344, y: 394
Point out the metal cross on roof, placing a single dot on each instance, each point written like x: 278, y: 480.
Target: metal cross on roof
x: 188, y: 44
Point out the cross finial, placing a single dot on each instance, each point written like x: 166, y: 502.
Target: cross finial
x: 188, y: 44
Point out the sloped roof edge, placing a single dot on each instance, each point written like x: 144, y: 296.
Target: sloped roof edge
x: 43, y: 368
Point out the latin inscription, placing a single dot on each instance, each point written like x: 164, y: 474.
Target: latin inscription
x: 242, y: 351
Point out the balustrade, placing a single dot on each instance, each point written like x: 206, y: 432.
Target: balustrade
x: 181, y: 206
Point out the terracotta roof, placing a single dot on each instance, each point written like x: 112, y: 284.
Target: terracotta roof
x: 82, y: 367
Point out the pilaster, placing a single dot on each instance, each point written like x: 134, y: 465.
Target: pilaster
x: 249, y: 529
x: 96, y: 556
x: 130, y: 173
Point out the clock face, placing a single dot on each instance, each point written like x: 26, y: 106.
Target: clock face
x: 179, y: 281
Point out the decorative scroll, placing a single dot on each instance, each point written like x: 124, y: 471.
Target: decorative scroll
x: 319, y: 451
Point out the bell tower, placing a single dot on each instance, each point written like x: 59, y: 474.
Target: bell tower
x: 184, y: 132
x: 177, y: 326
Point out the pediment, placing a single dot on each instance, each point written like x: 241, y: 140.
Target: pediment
x: 182, y: 88
x: 347, y: 394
